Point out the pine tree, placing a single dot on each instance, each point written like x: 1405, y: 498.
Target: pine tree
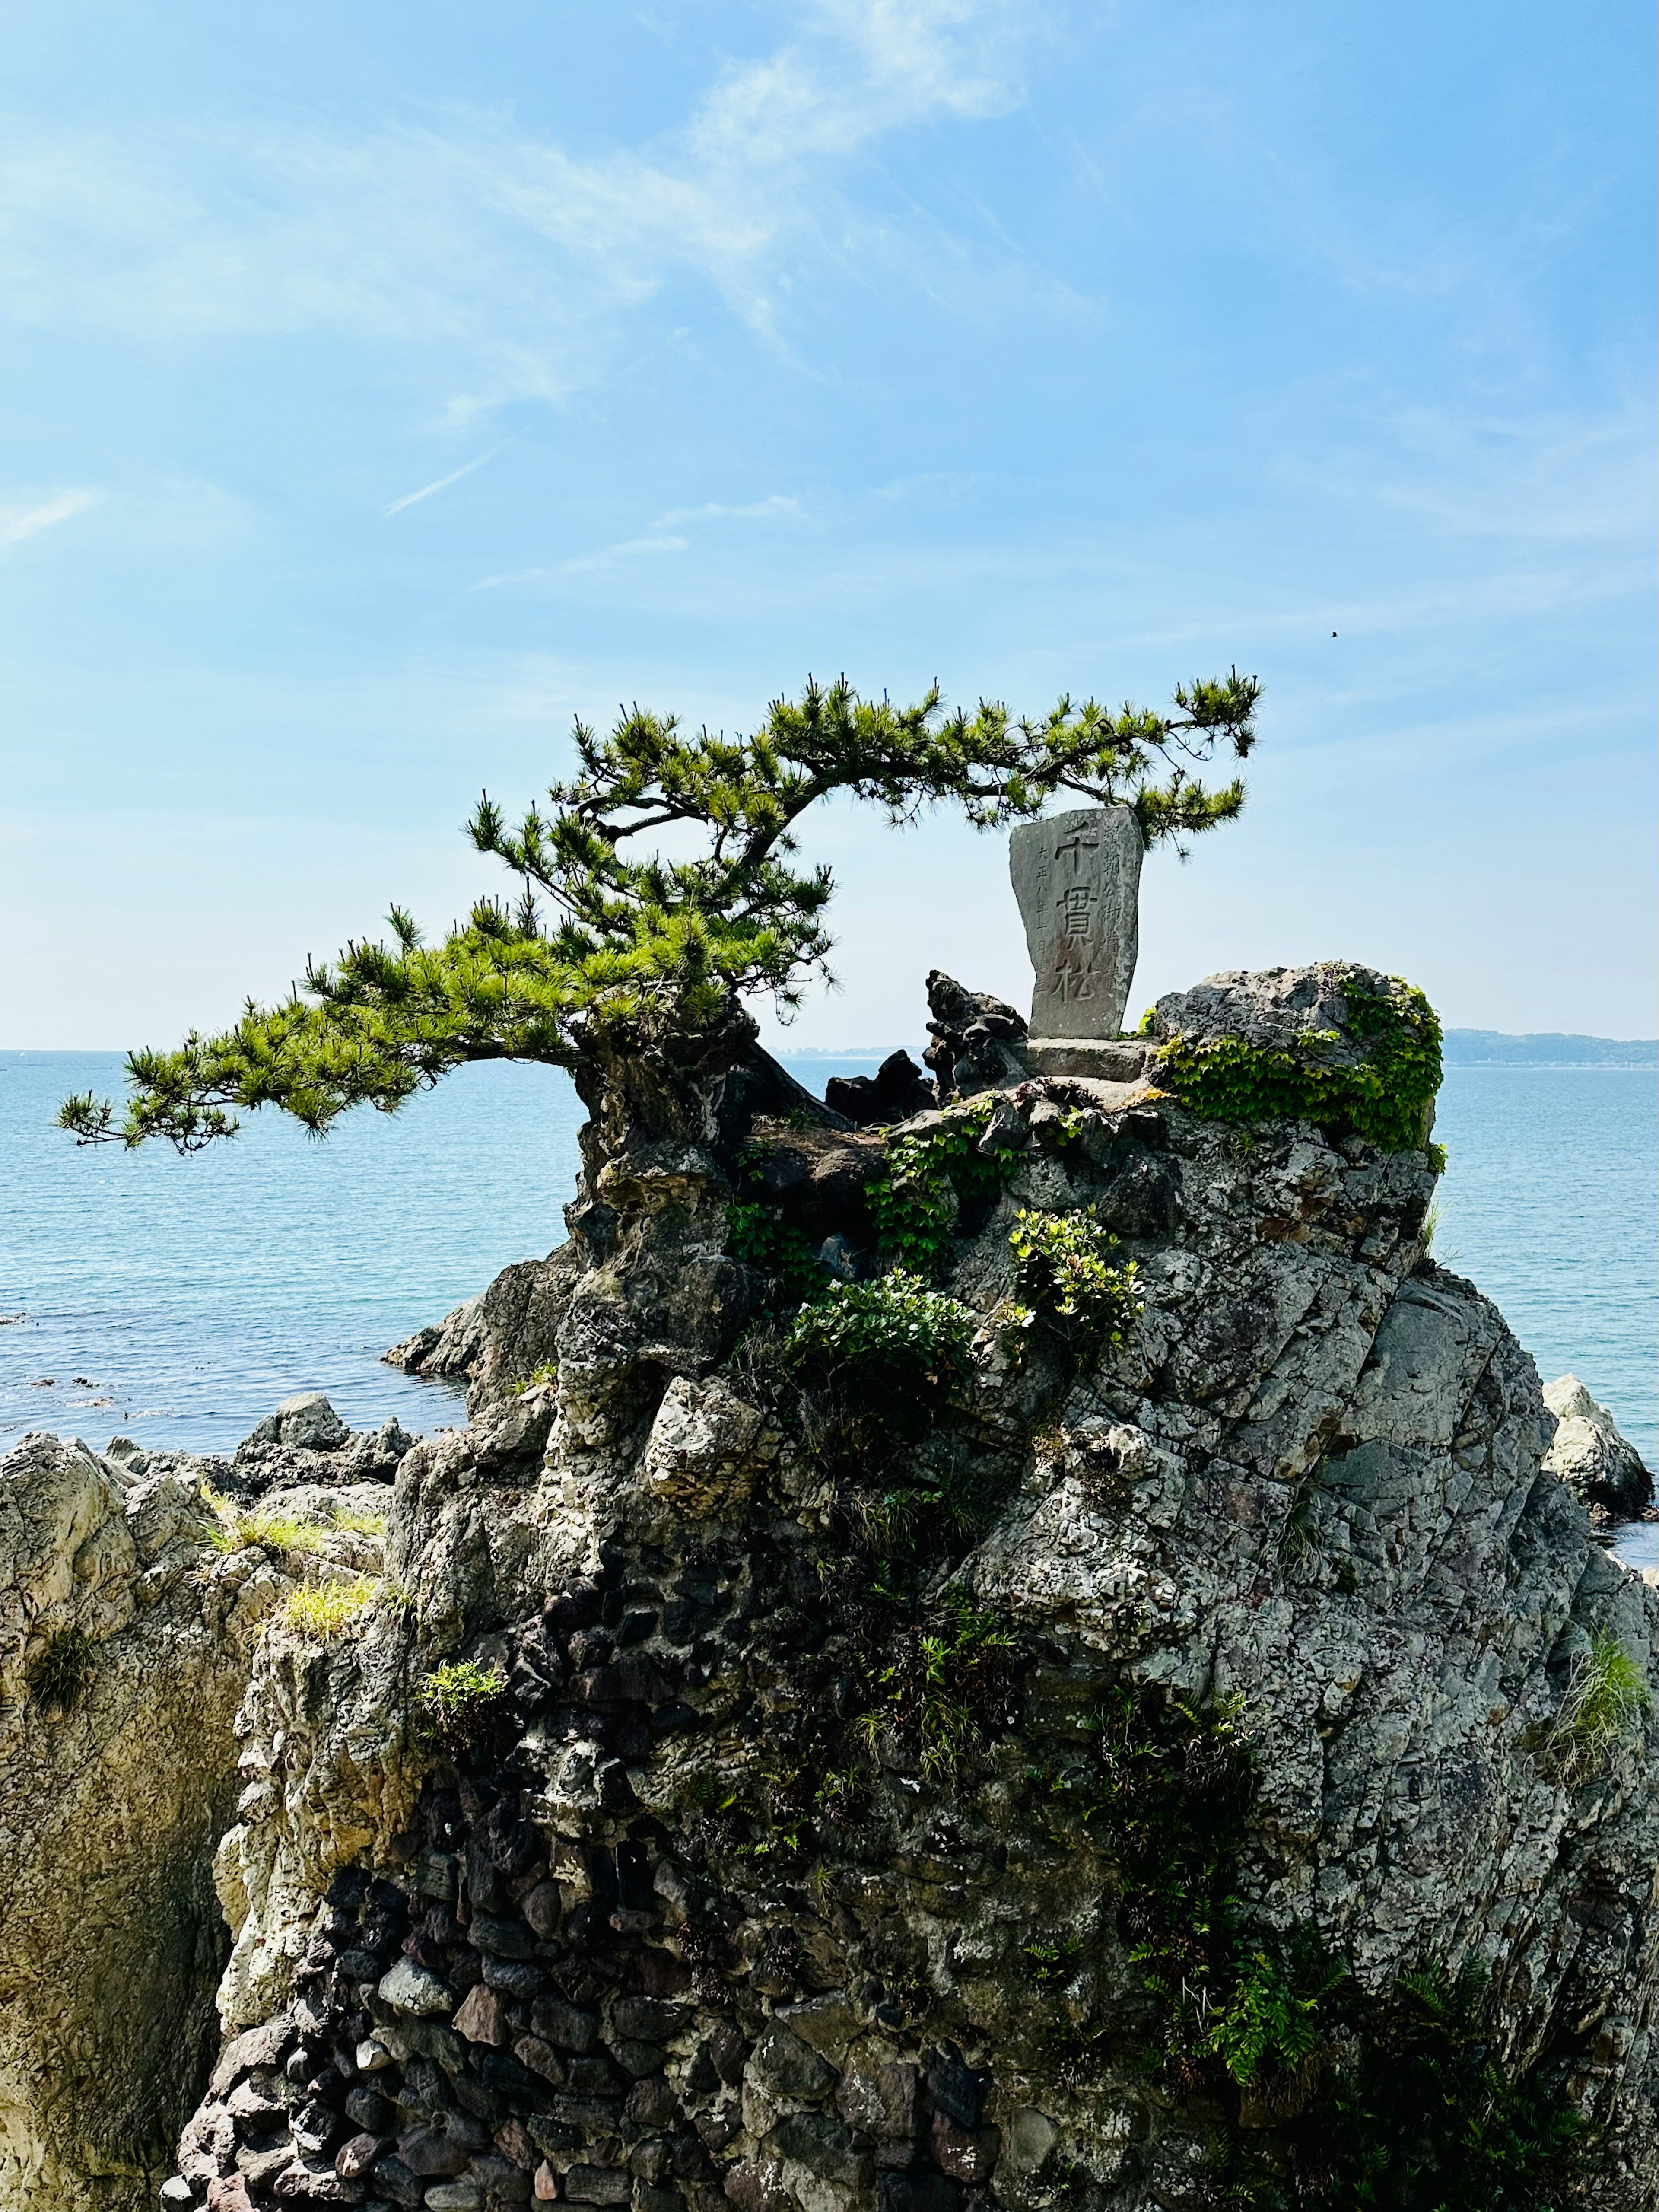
x: 608, y: 937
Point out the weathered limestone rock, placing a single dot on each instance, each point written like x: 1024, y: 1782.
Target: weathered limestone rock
x: 1596, y: 1463
x: 1077, y: 876
x: 1275, y: 1009
x: 125, y: 1639
x: 755, y: 1923
x: 305, y: 1441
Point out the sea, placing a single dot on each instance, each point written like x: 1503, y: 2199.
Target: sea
x: 177, y: 1300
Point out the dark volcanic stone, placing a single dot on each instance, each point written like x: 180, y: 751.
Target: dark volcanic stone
x: 542, y: 1909
x: 598, y: 2185
x: 431, y: 2152
x: 396, y: 2183
x: 651, y: 2103
x: 371, y: 2111
x: 920, y: 2193
x: 895, y: 1090
x: 823, y: 2146
x: 787, y: 2066
x: 501, y: 1937
x: 514, y: 1975
x: 563, y: 2026
x: 956, y: 2089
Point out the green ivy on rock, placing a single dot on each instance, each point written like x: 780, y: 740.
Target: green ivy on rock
x: 1384, y: 1099
x: 930, y: 1178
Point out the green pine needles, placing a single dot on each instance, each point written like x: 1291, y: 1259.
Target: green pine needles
x: 609, y: 937
x: 1384, y: 1099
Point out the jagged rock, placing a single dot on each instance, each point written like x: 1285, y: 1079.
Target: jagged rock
x: 305, y: 1441
x: 819, y: 1178
x: 1589, y: 1456
x: 1274, y: 1009
x: 452, y: 1347
x: 305, y: 1423
x: 707, y: 1447
x: 125, y: 1640
x: 978, y: 1040
x: 895, y: 1090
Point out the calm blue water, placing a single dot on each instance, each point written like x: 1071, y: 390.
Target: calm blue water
x: 178, y: 1300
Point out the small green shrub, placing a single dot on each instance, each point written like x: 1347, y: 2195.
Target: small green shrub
x: 324, y: 1611
x: 1164, y: 1787
x: 894, y: 1335
x: 62, y: 1673
x: 1427, y: 2120
x: 1300, y: 1544
x: 240, y: 1526
x: 1063, y: 1266
x: 460, y: 1704
x: 783, y: 1255
x: 1053, y: 1964
x: 1607, y: 1699
x: 547, y: 1372
x: 1269, y: 2033
x: 1384, y: 1099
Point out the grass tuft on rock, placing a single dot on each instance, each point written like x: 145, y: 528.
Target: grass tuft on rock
x: 63, y: 1673
x: 324, y: 1611
x: 1606, y: 1699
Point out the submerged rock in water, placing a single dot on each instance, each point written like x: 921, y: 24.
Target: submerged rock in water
x: 1589, y: 1456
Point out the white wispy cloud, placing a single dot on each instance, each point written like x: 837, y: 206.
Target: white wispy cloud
x: 501, y: 251
x: 17, y: 523
x: 661, y: 536
x: 414, y: 498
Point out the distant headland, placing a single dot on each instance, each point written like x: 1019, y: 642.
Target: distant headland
x: 1462, y: 1048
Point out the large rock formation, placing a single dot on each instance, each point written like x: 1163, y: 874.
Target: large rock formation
x: 1054, y: 1734
x: 132, y: 1606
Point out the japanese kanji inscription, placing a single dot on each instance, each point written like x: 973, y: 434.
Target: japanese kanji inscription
x: 1077, y: 876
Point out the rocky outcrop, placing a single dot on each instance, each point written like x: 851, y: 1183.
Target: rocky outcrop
x: 125, y: 1642
x: 450, y: 1347
x: 137, y: 1589
x: 895, y: 1090
x: 305, y: 1441
x: 977, y: 1041
x: 1589, y: 1455
x: 1109, y: 1740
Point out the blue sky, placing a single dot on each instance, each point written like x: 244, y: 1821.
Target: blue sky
x: 382, y: 386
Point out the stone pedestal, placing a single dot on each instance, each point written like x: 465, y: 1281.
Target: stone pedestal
x: 1077, y: 876
x: 1102, y: 1059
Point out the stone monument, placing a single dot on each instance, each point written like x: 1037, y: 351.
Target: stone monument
x: 1077, y: 876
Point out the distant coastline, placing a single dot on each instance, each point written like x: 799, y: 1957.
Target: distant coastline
x: 1462, y: 1048
x: 1492, y: 1048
